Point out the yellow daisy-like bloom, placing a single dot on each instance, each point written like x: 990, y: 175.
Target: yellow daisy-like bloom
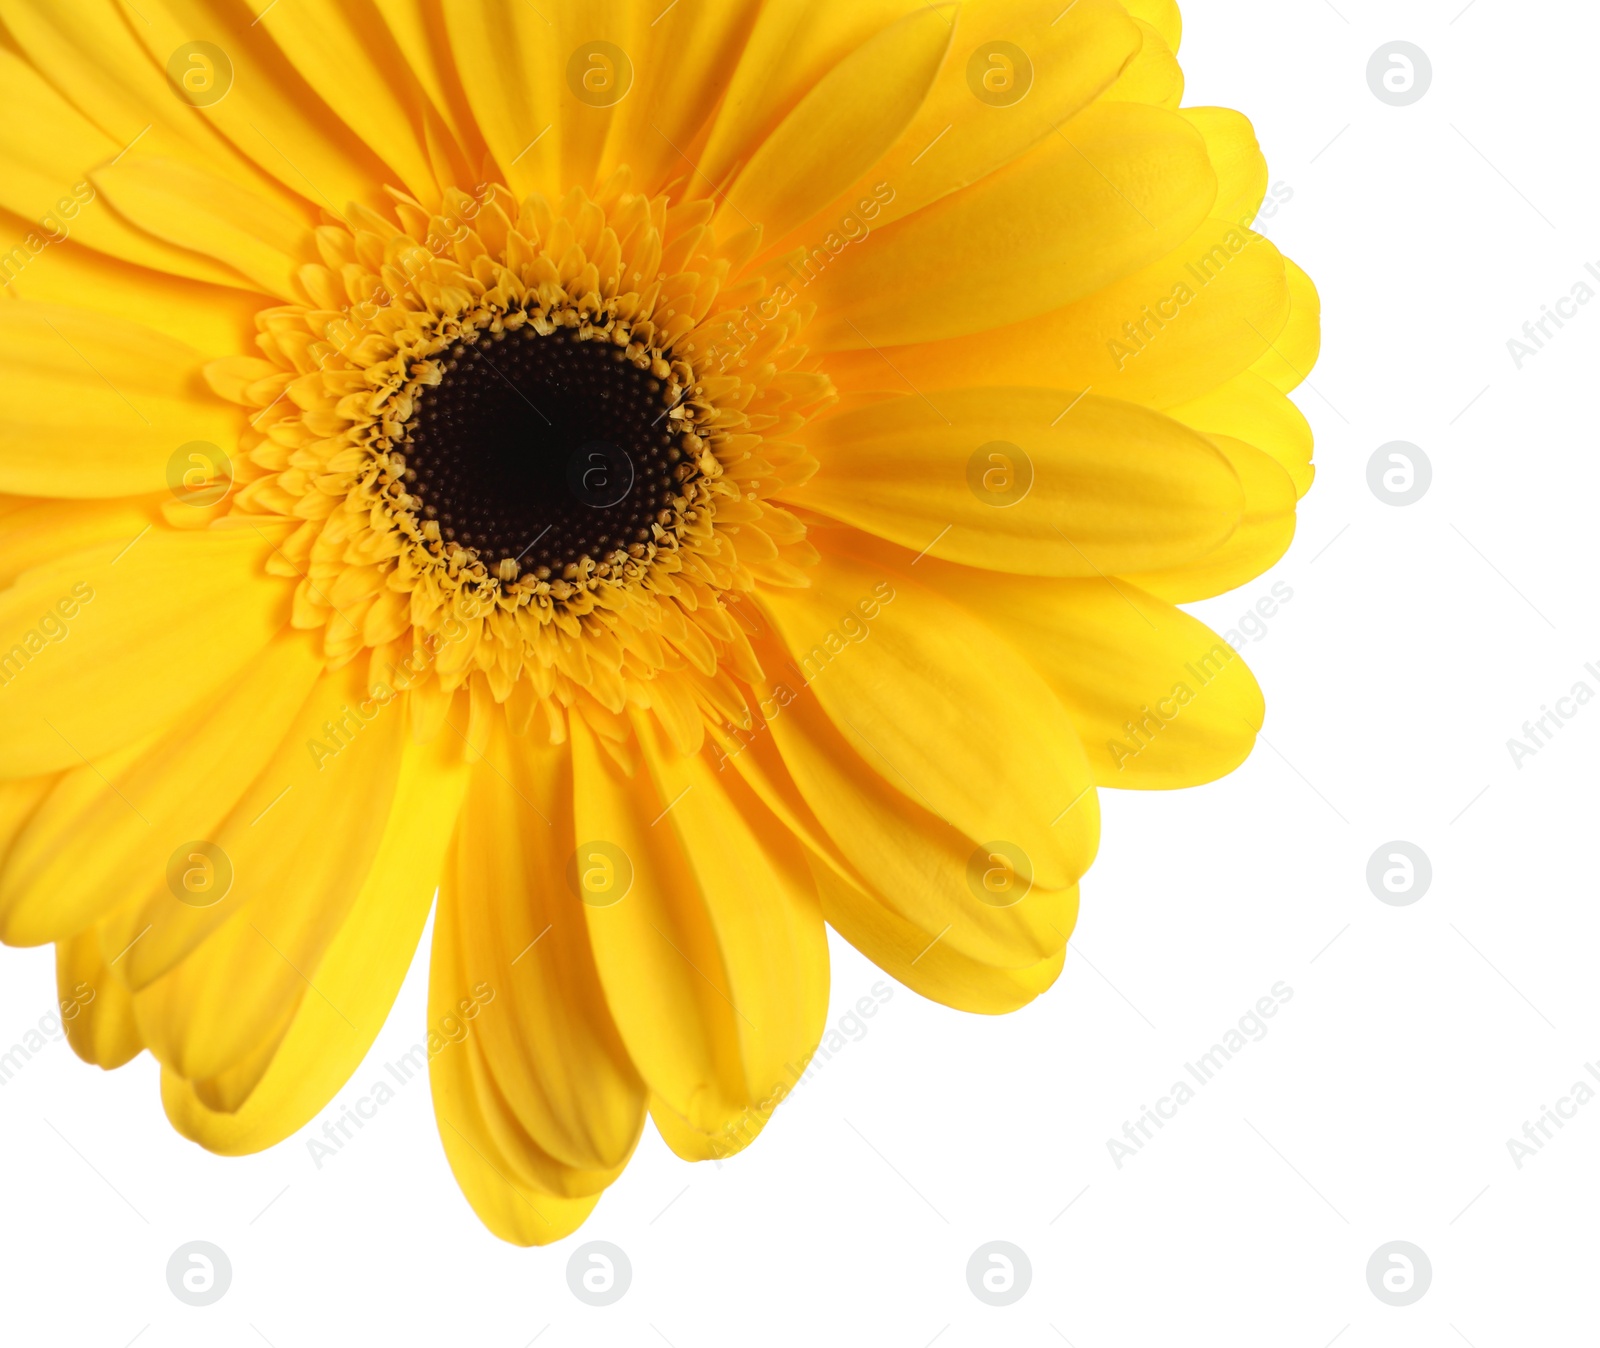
x: 666, y: 478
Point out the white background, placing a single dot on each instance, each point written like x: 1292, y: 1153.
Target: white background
x: 1418, y: 1038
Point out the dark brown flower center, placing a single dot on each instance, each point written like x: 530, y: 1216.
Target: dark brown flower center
x: 545, y: 450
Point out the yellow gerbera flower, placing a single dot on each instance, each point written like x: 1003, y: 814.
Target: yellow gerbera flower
x: 665, y: 477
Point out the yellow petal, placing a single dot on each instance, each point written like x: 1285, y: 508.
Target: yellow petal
x: 92, y: 405
x: 139, y: 807
x: 544, y: 137
x: 1159, y: 699
x: 1163, y: 335
x: 792, y: 45
x: 714, y: 962
x: 1264, y: 534
x: 965, y: 131
x: 49, y: 150
x: 214, y: 320
x: 1162, y: 15
x: 1236, y: 156
x: 842, y: 126
x: 96, y: 1010
x: 1035, y: 481
x: 1119, y: 186
x: 102, y: 646
x: 658, y: 126
x: 928, y: 966
x: 347, y: 54
x: 547, y: 1038
x: 876, y: 647
x: 1293, y: 350
x: 1153, y: 76
x: 194, y: 208
x: 507, y: 1199
x: 269, y: 114
x: 36, y: 531
x: 926, y: 875
x: 1248, y: 408
x: 357, y: 976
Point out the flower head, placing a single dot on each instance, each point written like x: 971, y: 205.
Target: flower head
x: 665, y: 482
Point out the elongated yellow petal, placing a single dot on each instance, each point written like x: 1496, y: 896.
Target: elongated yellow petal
x: 843, y: 125
x: 519, y: 929
x: 1015, y: 71
x: 95, y: 1007
x: 792, y: 45
x: 98, y: 406
x: 924, y: 963
x: 1159, y: 699
x: 875, y: 646
x: 1293, y: 350
x: 1036, y: 481
x: 1264, y: 534
x: 1167, y: 333
x: 195, y: 209
x: 1119, y: 186
x: 212, y: 981
x: 355, y: 980
x: 1249, y: 408
x: 143, y: 806
x: 50, y: 150
x: 154, y: 625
